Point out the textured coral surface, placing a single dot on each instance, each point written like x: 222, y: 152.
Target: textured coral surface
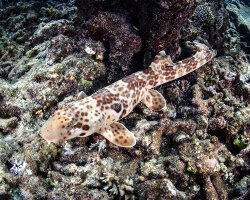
x: 197, y: 147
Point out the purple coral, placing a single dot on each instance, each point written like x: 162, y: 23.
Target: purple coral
x: 158, y: 24
x: 113, y: 30
x: 161, y: 22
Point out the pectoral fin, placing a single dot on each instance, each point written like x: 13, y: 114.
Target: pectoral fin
x: 119, y: 135
x: 154, y: 100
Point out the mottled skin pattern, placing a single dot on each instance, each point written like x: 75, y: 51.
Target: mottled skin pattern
x: 101, y: 111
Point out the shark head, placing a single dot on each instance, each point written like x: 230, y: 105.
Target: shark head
x: 78, y: 119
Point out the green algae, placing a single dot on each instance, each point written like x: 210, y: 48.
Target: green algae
x: 51, y: 11
x: 32, y: 52
x: 239, y: 142
x: 191, y: 168
x: 86, y: 84
x: 13, y: 92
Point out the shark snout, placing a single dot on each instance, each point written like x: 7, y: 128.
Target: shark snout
x: 52, y: 130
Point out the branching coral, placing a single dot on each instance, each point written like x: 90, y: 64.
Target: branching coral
x: 203, y: 15
x: 210, y: 20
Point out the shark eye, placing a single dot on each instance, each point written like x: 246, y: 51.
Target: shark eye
x: 116, y: 107
x: 78, y: 125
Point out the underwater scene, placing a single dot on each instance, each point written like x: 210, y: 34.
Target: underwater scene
x: 124, y: 99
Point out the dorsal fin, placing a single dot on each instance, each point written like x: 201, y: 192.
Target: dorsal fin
x: 81, y: 95
x: 169, y: 60
x: 161, y: 56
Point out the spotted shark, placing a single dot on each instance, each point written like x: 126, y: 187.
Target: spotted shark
x: 100, y: 112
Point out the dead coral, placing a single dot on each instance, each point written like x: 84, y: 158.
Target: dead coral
x: 7, y: 125
x: 176, y: 91
x: 141, y: 128
x: 210, y: 190
x: 219, y: 186
x: 78, y: 154
x: 187, y: 126
x: 199, y: 102
x: 161, y: 188
x: 205, y: 163
x: 59, y: 48
x: 46, y: 31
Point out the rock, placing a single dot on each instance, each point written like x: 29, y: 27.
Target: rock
x: 51, y: 29
x: 163, y: 188
x: 240, y: 14
x: 3, y: 190
x: 6, y: 125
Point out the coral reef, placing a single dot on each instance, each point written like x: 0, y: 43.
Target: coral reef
x: 197, y: 147
x: 209, y: 21
x: 123, y: 44
x: 239, y: 13
x: 151, y: 20
x: 161, y: 23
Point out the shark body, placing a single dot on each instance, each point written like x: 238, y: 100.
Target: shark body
x: 100, y: 112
